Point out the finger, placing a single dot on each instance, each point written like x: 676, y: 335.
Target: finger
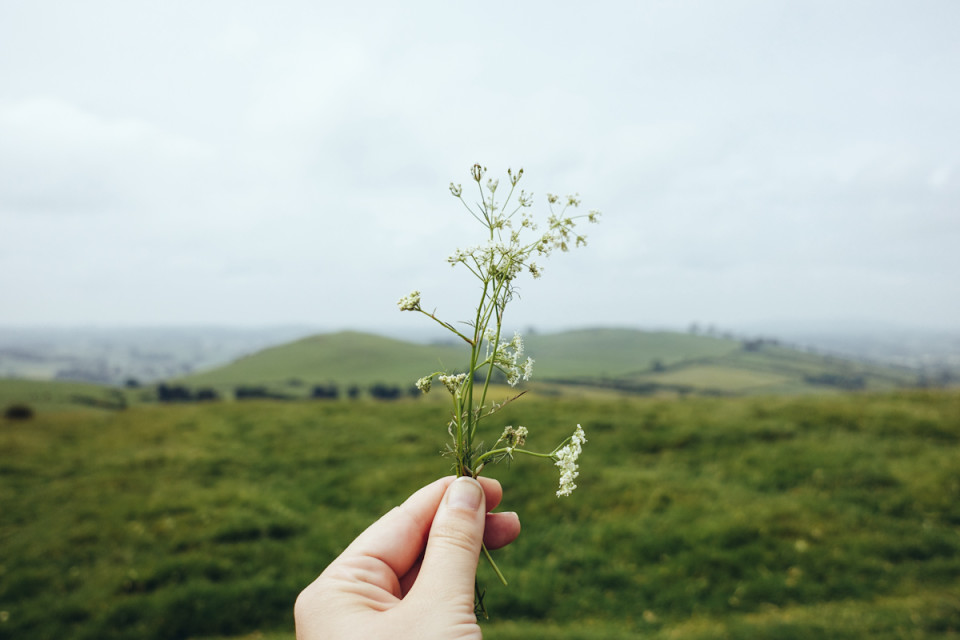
x: 449, y: 564
x: 399, y: 537
x: 501, y: 529
x: 493, y: 491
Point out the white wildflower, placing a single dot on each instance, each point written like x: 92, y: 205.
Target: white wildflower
x: 410, y: 302
x: 514, y: 437
x: 424, y: 384
x: 506, y: 357
x: 567, y: 462
x: 453, y: 382
x: 517, y: 343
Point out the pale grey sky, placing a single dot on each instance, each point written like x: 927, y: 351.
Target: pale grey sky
x: 246, y: 163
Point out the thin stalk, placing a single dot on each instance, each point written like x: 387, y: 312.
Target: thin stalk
x: 474, y: 354
x: 493, y: 564
x: 446, y: 325
x: 511, y: 450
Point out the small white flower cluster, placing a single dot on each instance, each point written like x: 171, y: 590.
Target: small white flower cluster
x: 514, y: 437
x: 424, y: 383
x: 410, y: 302
x: 567, y: 461
x: 507, y: 358
x: 453, y: 382
x: 506, y: 255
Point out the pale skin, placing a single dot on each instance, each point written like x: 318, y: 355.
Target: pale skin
x: 410, y: 575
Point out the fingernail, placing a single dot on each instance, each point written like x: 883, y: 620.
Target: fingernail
x: 465, y: 493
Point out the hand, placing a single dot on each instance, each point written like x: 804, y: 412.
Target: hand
x: 411, y: 574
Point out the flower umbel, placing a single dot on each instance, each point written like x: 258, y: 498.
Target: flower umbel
x: 453, y: 383
x: 507, y: 250
x: 566, y: 458
x: 410, y: 302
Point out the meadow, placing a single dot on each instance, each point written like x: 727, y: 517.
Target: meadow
x: 756, y: 517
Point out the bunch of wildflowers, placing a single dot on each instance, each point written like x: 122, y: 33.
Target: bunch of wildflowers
x: 511, y: 246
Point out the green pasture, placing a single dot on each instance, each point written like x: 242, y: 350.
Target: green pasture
x: 615, y: 353
x: 44, y: 395
x: 760, y: 517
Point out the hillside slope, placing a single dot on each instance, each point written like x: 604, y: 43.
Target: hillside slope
x: 346, y: 357
x: 620, y: 359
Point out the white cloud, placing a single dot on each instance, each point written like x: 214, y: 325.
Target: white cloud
x: 57, y: 158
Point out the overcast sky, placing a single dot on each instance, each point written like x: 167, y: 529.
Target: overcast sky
x: 242, y: 163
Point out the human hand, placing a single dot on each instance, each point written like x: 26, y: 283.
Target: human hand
x: 411, y: 574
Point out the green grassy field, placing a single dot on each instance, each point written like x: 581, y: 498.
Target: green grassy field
x: 759, y: 517
x: 621, y: 359
x: 60, y: 395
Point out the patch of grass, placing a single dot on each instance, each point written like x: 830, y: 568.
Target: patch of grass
x: 41, y: 395
x: 802, y: 517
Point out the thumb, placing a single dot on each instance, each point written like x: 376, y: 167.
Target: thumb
x: 449, y: 566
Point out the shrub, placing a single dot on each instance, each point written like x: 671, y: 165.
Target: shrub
x: 18, y: 412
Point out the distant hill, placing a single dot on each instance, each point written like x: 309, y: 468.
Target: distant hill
x: 345, y: 358
x: 616, y: 359
x: 645, y: 362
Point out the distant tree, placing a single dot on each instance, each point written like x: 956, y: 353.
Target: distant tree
x: 382, y: 391
x: 245, y: 392
x: 207, y: 395
x: 18, y: 412
x: 657, y: 365
x: 325, y: 392
x: 353, y: 392
x: 173, y: 393
x: 132, y: 383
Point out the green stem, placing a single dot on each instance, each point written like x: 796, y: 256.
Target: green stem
x: 446, y: 325
x: 495, y: 452
x: 493, y: 564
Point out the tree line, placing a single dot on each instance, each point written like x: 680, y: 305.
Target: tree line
x: 329, y: 391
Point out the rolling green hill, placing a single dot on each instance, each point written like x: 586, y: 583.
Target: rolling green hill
x: 345, y: 358
x: 623, y: 360
x: 616, y: 353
